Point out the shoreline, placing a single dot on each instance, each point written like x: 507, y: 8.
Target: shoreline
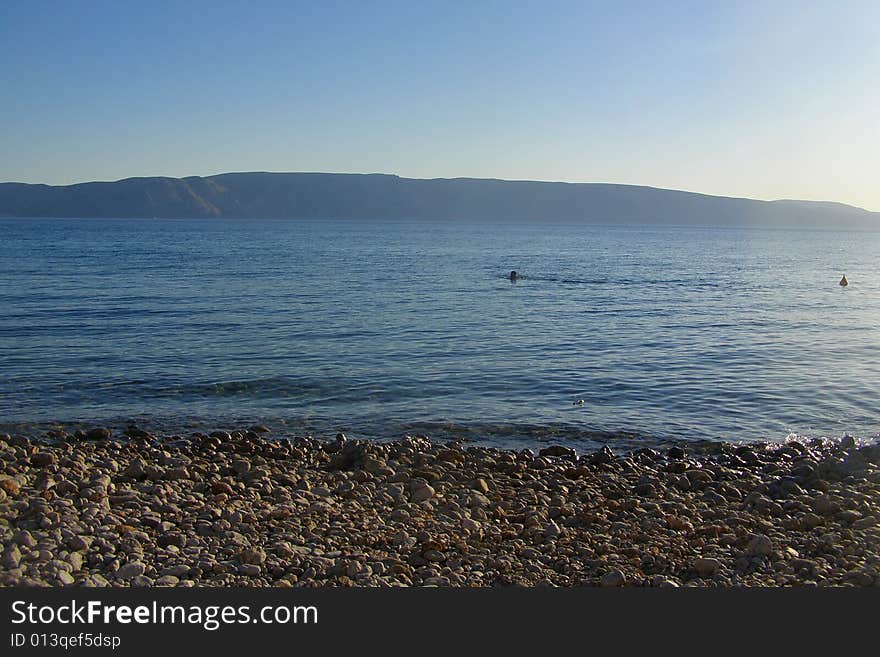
x: 236, y: 509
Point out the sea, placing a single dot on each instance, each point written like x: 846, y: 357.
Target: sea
x: 612, y: 335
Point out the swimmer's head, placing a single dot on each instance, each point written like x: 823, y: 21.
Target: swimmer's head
x: 513, y: 275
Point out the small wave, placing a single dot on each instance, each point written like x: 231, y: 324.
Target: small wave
x: 277, y: 386
x: 523, y: 434
x: 628, y: 282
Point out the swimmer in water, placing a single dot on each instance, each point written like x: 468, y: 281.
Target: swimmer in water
x: 843, y: 281
x: 513, y: 276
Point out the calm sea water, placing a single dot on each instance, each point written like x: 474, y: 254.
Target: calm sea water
x: 380, y: 329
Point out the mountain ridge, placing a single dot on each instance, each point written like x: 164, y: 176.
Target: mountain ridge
x: 317, y: 195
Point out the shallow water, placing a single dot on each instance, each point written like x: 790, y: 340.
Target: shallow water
x: 380, y: 329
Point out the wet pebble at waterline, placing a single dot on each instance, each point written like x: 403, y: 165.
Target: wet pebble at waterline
x: 237, y: 508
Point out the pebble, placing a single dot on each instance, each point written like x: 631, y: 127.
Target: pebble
x: 377, y: 467
x: 175, y: 474
x: 707, y: 566
x: 9, y: 486
x: 559, y: 451
x: 481, y: 485
x: 65, y: 578
x: 252, y: 556
x: 422, y: 493
x: 136, y: 469
x: 99, y: 433
x: 760, y: 545
x: 552, y: 530
x: 232, y: 509
x: 613, y: 578
x: 130, y: 570
x: 470, y: 525
x: 44, y: 459
x: 79, y: 542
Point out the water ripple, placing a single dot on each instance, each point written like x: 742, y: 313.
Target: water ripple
x: 385, y: 328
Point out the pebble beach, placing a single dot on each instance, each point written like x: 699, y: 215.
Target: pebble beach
x: 247, y: 508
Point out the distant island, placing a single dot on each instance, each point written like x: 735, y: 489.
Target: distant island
x: 381, y: 196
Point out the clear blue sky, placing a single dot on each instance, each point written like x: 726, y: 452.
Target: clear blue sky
x: 758, y: 99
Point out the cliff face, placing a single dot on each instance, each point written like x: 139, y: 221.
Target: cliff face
x: 377, y: 196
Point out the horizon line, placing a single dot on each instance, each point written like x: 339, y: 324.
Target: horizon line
x: 396, y: 175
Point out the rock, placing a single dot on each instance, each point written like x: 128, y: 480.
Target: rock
x: 43, y: 459
x: 470, y: 525
x: 9, y: 486
x: 675, y: 453
x: 866, y: 523
x: 24, y: 538
x: 176, y: 474
x: 478, y: 500
x: 11, y: 557
x: 353, y: 568
x: 664, y: 582
x: 434, y: 555
x: 480, y: 485
x: 99, y: 433
x: 65, y: 578
x: 791, y: 488
x: 97, y: 580
x: 698, y: 476
x: 131, y: 570
x: 450, y: 455
x: 241, y: 466
x: 177, y: 571
x: 259, y: 428
x: 249, y: 569
x: 422, y: 494
x: 218, y: 487
x: 646, y: 489
x: 377, y: 467
x: 75, y: 559
x: 602, y: 457
x: 559, y: 451
x: 848, y: 515
x: 136, y: 469
x: 707, y: 567
x: 678, y: 524
x: 613, y: 578
x: 810, y: 520
x: 252, y: 556
x: 825, y: 505
x: 79, y: 543
x: 760, y: 545
x: 552, y: 530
